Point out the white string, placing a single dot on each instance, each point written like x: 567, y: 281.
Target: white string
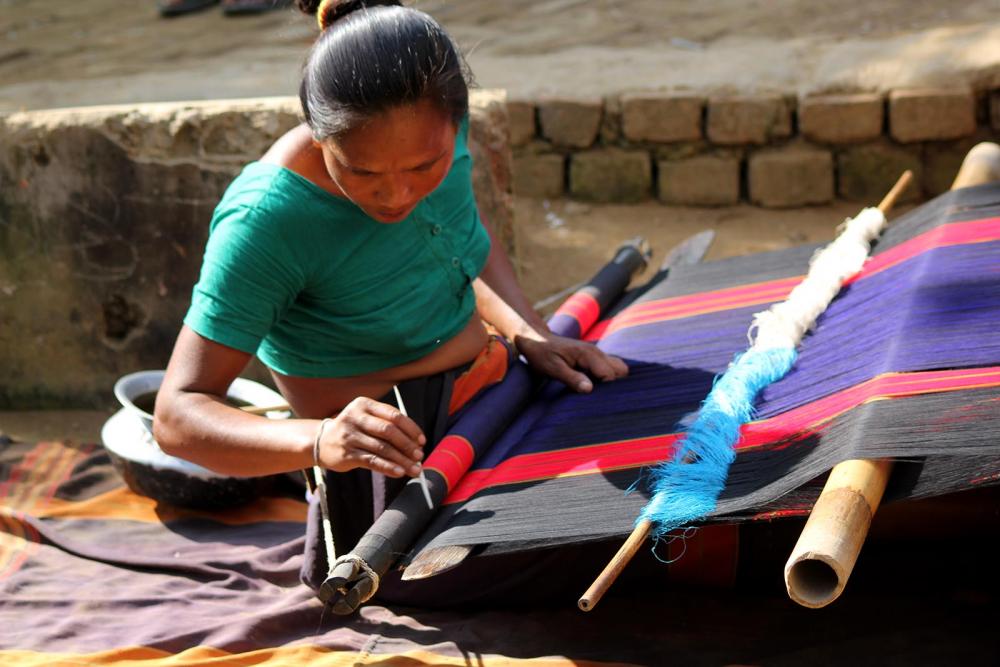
x: 320, y: 476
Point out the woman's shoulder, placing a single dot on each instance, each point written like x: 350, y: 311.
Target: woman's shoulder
x: 270, y: 191
x: 260, y: 190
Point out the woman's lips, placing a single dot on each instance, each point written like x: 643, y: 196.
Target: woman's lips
x: 393, y: 213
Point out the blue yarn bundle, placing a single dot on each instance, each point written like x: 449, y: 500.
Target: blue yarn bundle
x: 687, y: 487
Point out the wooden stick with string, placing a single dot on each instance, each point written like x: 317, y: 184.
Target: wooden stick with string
x: 621, y: 559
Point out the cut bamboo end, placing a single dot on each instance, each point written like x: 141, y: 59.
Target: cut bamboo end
x: 824, y: 556
x: 814, y: 580
x: 614, y: 567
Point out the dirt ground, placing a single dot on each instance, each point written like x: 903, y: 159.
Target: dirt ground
x: 564, y: 242
x: 69, y: 53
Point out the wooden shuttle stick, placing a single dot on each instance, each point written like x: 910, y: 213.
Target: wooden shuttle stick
x: 615, y: 567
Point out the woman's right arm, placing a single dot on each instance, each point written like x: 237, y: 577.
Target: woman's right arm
x: 192, y: 421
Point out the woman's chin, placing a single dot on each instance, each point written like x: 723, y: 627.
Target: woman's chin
x: 390, y: 216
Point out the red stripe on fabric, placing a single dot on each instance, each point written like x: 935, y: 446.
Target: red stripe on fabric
x: 781, y: 514
x: 597, y: 331
x: 43, y: 470
x: 583, y: 308
x: 28, y: 463
x: 804, y: 420
x: 957, y: 233
x: 452, y: 457
x: 565, y: 463
x: 707, y: 302
x: 17, y: 526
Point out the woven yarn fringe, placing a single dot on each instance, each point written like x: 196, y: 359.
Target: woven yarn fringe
x: 686, y: 487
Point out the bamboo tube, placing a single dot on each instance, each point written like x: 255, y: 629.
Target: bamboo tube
x: 617, y: 564
x: 981, y: 165
x: 827, y: 550
x: 824, y: 556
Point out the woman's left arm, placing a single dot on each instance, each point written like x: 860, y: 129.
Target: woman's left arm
x: 502, y: 303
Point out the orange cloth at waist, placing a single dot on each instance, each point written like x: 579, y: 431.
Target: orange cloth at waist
x: 488, y: 368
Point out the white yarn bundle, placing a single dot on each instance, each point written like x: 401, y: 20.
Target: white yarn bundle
x: 784, y: 324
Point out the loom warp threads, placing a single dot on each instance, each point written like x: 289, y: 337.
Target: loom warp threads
x: 687, y: 486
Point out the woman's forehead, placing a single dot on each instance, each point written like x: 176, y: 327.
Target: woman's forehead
x: 407, y: 135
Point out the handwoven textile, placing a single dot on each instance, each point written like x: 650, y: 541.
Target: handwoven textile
x: 904, y: 363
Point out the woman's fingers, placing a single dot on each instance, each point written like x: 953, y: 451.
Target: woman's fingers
x: 601, y: 365
x: 359, y: 458
x: 559, y: 369
x: 376, y: 436
x: 385, y: 451
x: 387, y: 431
x: 398, y: 419
x: 564, y: 359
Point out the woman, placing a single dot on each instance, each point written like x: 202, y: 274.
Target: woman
x: 350, y: 259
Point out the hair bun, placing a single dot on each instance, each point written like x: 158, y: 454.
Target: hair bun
x: 329, y: 12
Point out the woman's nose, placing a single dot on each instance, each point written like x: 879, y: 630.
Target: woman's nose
x: 396, y: 192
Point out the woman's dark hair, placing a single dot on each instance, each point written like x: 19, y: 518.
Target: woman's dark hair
x: 375, y: 56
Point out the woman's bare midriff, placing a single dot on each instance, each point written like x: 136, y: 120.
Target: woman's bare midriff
x: 316, y: 398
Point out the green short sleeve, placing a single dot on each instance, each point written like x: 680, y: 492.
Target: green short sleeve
x: 249, y: 278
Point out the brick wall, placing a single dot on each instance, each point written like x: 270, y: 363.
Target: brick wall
x: 771, y: 150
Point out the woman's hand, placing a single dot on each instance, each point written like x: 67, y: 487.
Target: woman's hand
x: 373, y: 435
x: 560, y: 358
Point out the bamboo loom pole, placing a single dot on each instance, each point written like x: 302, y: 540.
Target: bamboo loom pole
x: 827, y: 550
x: 628, y: 550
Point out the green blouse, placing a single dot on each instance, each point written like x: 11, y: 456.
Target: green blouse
x: 316, y: 288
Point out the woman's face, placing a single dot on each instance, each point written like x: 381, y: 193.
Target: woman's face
x: 393, y: 161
